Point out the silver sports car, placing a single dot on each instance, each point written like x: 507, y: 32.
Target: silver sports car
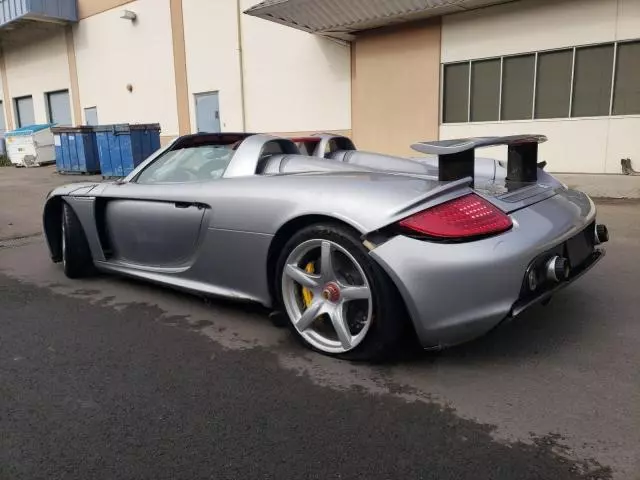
x: 357, y: 249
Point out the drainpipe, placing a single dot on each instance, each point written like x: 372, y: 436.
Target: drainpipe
x: 241, y: 63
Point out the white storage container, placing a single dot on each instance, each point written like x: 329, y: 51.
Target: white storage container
x: 30, y: 146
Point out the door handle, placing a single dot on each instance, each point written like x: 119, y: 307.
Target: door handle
x: 183, y: 204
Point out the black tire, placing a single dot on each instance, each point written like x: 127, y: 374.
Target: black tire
x: 389, y: 319
x: 76, y: 255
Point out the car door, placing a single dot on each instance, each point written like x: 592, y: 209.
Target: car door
x: 156, y: 218
x: 153, y: 226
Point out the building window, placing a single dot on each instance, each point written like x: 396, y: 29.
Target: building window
x: 24, y: 111
x: 91, y: 116
x: 485, y: 90
x: 456, y: 93
x: 553, y: 84
x: 587, y: 81
x: 626, y: 95
x: 592, y: 81
x: 517, y: 87
x: 59, y: 107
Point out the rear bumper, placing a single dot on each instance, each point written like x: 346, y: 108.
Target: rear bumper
x: 524, y: 303
x: 457, y: 292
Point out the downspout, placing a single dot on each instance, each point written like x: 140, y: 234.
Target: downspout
x: 6, y: 97
x: 241, y: 63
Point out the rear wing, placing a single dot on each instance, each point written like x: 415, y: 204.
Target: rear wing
x: 456, y: 157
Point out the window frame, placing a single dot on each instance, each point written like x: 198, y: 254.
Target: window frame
x: 613, y: 80
x: 533, y: 86
x: 537, y: 53
x: 443, y: 95
x: 473, y: 82
x: 539, y: 56
x: 575, y: 79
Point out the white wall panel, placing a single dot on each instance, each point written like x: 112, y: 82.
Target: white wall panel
x: 211, y: 41
x: 294, y: 81
x: 581, y: 145
x: 112, y: 52
x: 35, y: 66
x: 573, y: 146
x: 531, y: 25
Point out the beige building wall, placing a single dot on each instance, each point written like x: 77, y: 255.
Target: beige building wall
x: 34, y: 65
x: 5, y: 94
x: 396, y: 76
x: 293, y: 81
x: 580, y: 145
x: 149, y: 70
x: 112, y: 53
x: 533, y: 25
x: 87, y: 8
x: 213, y: 57
x: 593, y: 145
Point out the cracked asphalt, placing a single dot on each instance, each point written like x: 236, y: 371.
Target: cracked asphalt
x: 112, y: 378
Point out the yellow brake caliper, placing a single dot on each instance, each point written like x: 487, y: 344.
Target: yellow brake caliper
x: 307, y: 296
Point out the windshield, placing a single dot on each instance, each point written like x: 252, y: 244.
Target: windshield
x: 194, y: 164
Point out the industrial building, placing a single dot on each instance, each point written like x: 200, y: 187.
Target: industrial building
x: 386, y: 73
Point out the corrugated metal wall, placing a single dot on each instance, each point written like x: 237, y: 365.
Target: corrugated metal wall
x: 65, y: 10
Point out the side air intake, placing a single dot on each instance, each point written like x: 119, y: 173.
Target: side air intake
x: 456, y: 158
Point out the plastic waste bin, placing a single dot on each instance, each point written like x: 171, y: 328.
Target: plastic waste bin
x: 30, y: 146
x: 121, y: 148
x: 76, y: 150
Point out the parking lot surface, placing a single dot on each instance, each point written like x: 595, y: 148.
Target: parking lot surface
x: 110, y: 378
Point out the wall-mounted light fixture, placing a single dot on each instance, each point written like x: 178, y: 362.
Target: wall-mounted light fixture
x: 129, y: 15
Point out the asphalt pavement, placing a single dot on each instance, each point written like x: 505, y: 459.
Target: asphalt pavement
x: 111, y: 378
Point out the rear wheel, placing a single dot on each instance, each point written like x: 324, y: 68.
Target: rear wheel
x: 338, y: 300
x: 76, y: 255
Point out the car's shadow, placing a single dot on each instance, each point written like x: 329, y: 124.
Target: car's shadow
x: 222, y: 305
x: 539, y: 331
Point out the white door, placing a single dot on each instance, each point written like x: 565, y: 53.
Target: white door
x: 91, y: 116
x: 207, y: 112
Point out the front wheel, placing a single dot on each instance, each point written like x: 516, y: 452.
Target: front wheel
x: 338, y: 300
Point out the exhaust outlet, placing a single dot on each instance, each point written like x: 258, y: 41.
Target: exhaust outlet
x: 601, y: 234
x: 557, y: 269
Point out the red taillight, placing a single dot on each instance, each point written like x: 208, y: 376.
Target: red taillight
x: 467, y: 216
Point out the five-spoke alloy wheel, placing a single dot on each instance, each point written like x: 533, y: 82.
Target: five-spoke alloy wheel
x: 338, y: 300
x: 339, y: 282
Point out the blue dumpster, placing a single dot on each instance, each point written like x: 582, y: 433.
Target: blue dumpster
x: 121, y: 148
x: 76, y: 150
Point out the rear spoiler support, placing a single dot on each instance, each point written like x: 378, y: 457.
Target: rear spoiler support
x: 456, y: 157
x: 522, y: 162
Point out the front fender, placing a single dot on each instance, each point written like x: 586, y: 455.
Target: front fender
x: 52, y: 213
x: 52, y: 226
